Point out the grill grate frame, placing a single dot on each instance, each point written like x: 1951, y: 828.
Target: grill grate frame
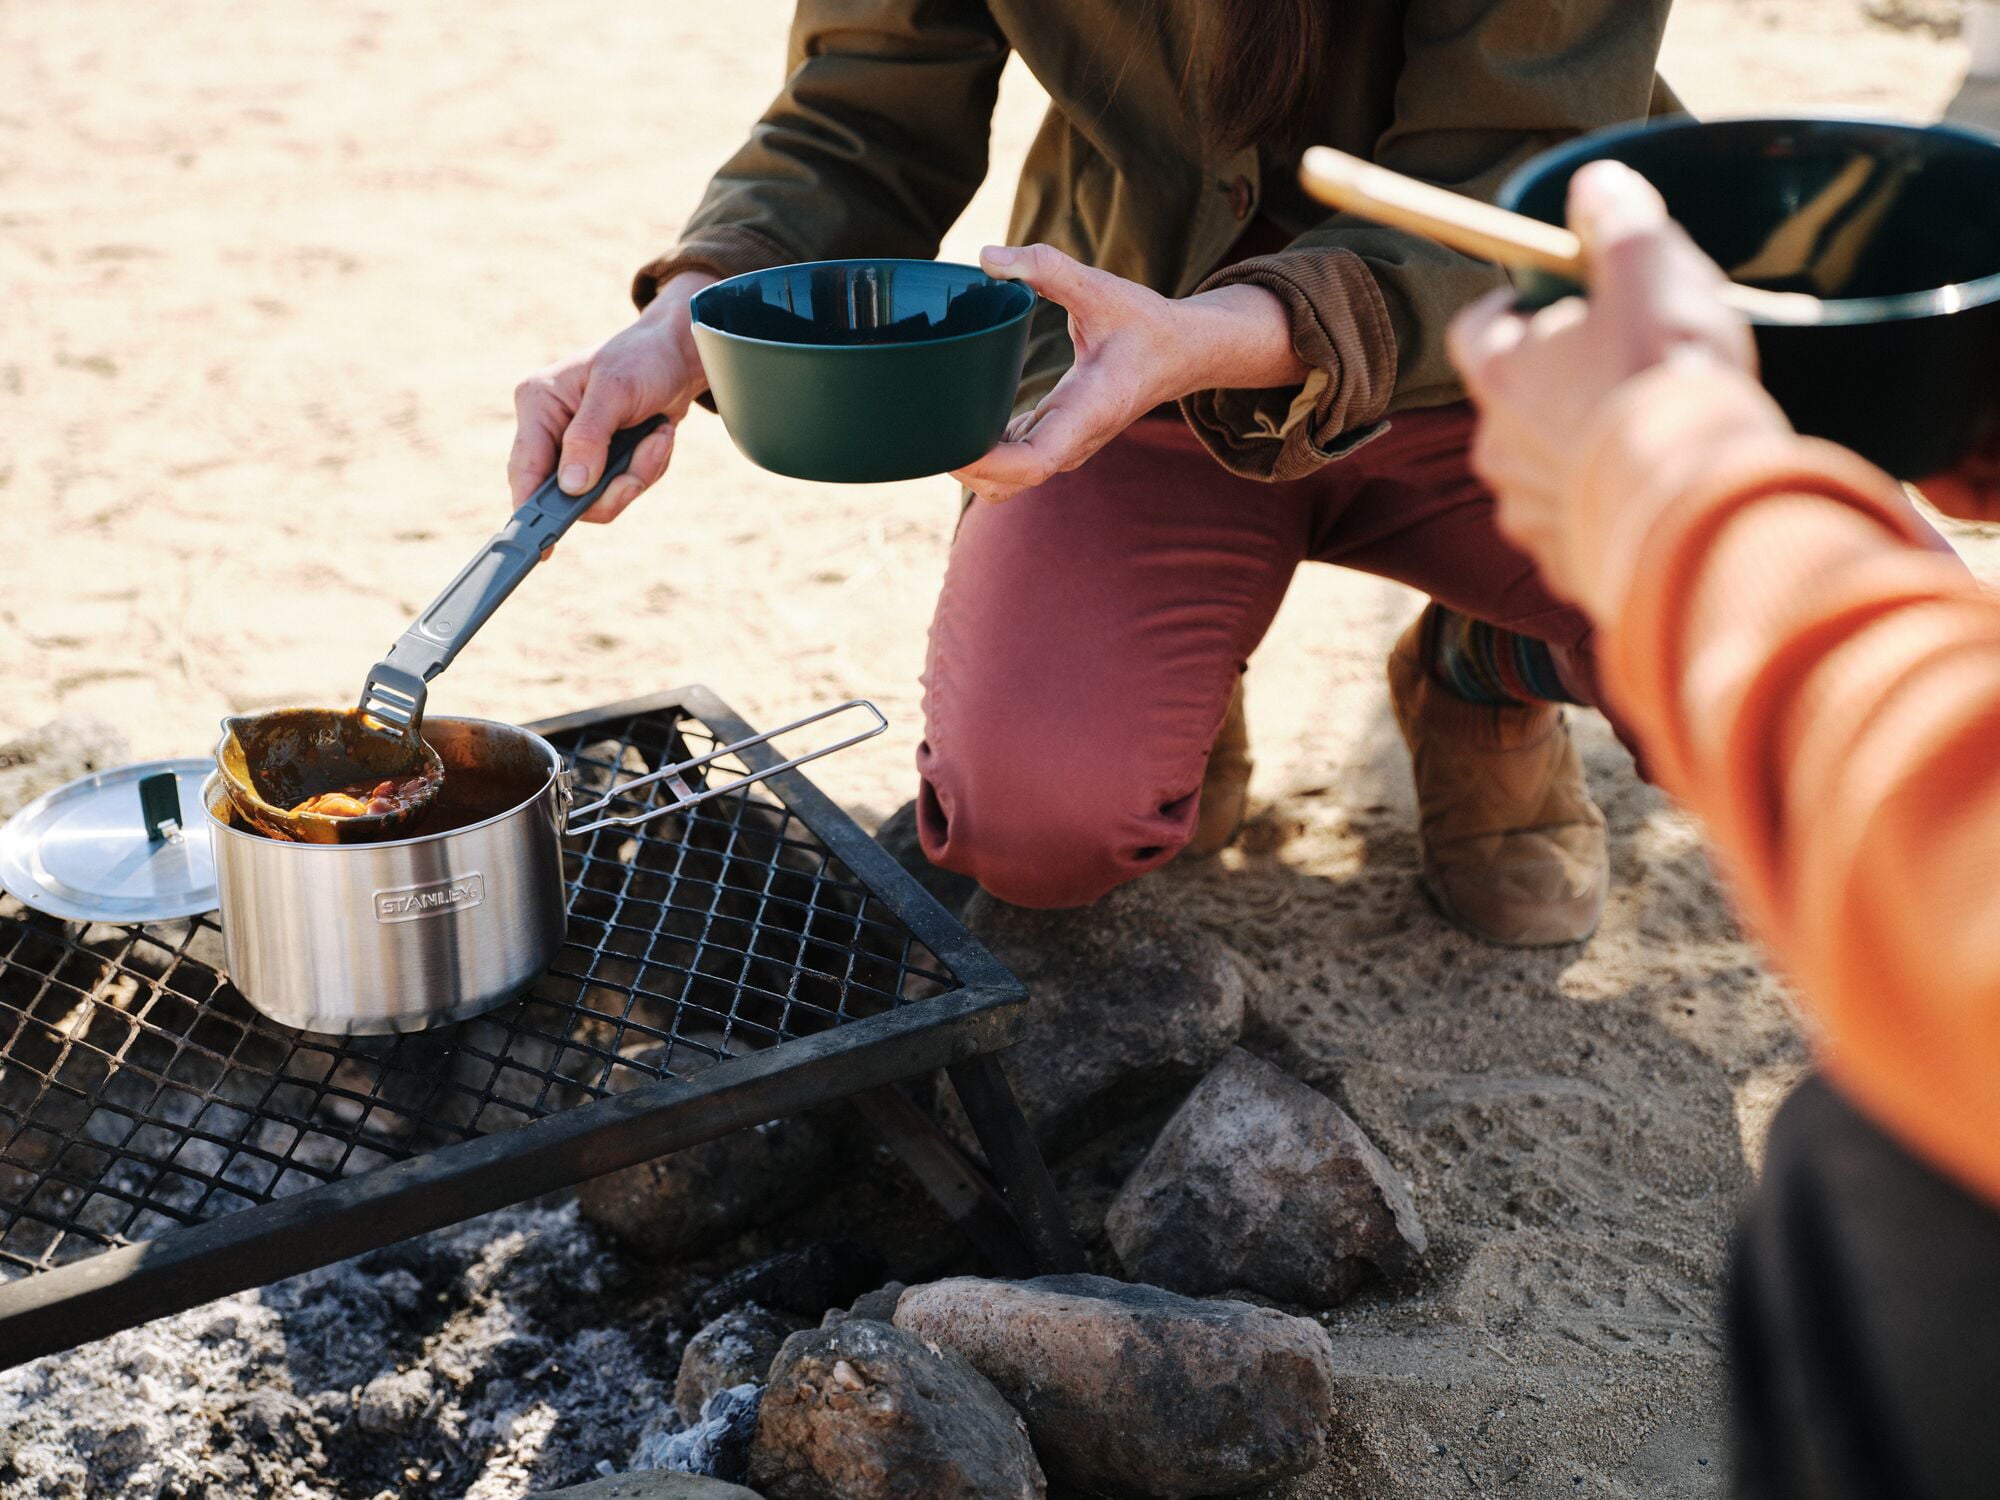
x: 143, y: 1103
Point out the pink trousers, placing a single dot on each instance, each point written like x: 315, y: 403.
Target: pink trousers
x: 1090, y: 633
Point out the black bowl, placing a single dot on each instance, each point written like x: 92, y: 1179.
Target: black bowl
x: 1897, y: 227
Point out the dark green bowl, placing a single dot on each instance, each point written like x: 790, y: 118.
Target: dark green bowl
x: 864, y: 371
x: 1898, y: 226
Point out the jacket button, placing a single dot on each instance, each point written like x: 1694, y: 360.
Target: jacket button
x: 1241, y: 197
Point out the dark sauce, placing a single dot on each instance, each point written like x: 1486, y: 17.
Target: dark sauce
x: 291, y: 755
x: 470, y: 794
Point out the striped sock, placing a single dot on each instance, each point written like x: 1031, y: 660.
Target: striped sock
x: 1487, y: 664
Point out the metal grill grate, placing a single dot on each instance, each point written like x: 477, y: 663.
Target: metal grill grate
x: 140, y: 1093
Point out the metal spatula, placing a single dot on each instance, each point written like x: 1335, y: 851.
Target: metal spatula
x: 271, y: 762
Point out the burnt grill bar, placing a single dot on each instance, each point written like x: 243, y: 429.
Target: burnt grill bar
x: 751, y: 957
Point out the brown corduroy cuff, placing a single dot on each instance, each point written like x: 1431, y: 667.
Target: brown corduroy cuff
x: 721, y: 250
x: 1341, y: 329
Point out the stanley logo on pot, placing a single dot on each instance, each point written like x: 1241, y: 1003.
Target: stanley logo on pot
x: 406, y: 903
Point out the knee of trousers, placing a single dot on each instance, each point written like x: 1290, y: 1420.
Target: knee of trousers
x: 1045, y: 826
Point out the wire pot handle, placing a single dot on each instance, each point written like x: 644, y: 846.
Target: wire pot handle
x: 688, y: 797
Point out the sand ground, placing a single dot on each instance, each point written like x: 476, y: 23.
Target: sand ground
x: 268, y: 274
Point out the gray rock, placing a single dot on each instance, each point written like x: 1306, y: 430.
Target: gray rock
x: 736, y: 1348
x: 693, y: 1200
x: 43, y: 759
x: 655, y: 1485
x: 716, y: 1447
x: 1134, y: 1389
x: 898, y: 835
x: 806, y: 1281
x: 280, y: 1423
x: 1262, y: 1183
x: 879, y: 1304
x: 395, y: 1401
x: 602, y: 764
x: 864, y: 1411
x: 1127, y: 1004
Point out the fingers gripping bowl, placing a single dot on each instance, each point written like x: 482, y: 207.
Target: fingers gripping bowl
x: 1895, y: 227
x: 864, y: 371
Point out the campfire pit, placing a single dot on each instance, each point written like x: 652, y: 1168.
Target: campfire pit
x: 752, y: 957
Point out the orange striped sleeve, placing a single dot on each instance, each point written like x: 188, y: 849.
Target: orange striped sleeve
x: 1817, y: 677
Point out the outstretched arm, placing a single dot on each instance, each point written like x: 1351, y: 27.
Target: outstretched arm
x: 1812, y: 671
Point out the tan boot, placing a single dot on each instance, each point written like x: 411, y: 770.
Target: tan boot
x: 1225, y: 786
x: 1513, y: 848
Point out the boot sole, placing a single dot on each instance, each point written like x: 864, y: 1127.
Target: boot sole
x: 1529, y: 943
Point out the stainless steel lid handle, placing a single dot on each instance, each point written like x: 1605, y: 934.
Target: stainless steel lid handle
x: 593, y: 815
x: 395, y: 688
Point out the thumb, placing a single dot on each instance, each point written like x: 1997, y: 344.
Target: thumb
x: 1654, y: 287
x: 1050, y: 272
x: 1608, y: 200
x: 1622, y: 220
x: 601, y: 412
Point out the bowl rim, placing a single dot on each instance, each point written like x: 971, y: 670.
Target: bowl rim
x: 696, y: 323
x: 1834, y: 312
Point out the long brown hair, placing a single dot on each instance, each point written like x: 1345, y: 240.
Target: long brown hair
x: 1267, y: 60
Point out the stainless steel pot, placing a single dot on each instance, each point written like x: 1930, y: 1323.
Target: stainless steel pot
x: 369, y: 939
x: 373, y: 938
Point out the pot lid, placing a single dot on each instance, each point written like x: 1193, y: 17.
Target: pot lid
x: 125, y: 845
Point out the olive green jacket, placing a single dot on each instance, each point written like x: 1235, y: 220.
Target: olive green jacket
x: 879, y: 138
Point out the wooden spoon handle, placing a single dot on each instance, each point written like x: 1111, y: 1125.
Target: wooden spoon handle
x: 1358, y: 187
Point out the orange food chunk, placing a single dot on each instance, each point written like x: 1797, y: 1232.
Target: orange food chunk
x: 333, y: 805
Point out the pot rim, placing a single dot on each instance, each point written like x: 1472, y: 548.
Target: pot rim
x: 695, y: 318
x: 208, y: 795
x: 1834, y: 312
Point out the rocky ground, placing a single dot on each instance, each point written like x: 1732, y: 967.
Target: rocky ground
x: 271, y: 273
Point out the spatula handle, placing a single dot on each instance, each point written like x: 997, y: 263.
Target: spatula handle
x: 482, y: 586
x: 1492, y: 233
